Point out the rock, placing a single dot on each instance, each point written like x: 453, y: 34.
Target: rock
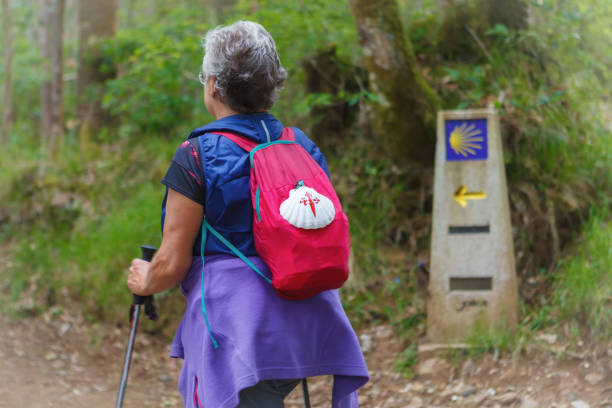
x: 427, y: 367
x: 467, y: 369
x: 384, y: 332
x: 480, y: 399
x: 74, y: 357
x: 366, y: 342
x: 455, y: 387
x: 594, y: 378
x: 507, y: 398
x: 57, y: 364
x: 529, y: 403
x: 445, y: 394
x: 418, y: 387
x: 431, y: 366
x: 415, y: 402
x: 64, y: 329
x: 548, y: 338
x: 407, y: 388
x: 50, y: 356
x: 391, y: 402
x: 580, y: 404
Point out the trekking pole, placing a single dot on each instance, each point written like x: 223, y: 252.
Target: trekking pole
x: 138, y: 301
x: 305, y: 391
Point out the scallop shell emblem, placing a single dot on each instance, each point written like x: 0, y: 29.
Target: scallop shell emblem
x: 307, y: 209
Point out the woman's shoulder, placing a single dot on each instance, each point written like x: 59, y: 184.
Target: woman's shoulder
x: 301, y: 138
x: 310, y: 147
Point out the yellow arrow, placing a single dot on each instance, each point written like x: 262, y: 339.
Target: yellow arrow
x: 462, y: 195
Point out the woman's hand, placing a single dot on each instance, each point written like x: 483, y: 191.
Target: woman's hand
x: 173, y: 258
x: 138, y: 277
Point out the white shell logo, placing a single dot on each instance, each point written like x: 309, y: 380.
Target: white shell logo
x: 307, y: 209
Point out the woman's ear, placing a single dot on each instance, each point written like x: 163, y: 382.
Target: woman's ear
x: 210, y: 86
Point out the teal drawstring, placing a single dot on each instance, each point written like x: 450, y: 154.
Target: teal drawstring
x: 206, y: 226
x: 203, y: 244
x: 257, y: 205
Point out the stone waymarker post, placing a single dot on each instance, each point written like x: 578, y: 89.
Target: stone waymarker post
x: 472, y: 276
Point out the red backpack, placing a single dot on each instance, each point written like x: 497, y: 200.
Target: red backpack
x: 299, y: 227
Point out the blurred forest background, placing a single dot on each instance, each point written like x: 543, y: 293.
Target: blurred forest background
x: 97, y: 95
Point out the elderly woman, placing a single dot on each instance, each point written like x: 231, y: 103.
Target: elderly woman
x: 242, y: 344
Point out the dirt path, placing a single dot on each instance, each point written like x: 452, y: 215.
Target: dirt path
x: 63, y: 362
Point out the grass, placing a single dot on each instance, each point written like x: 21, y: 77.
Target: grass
x: 89, y: 262
x: 75, y: 223
x: 407, y: 360
x: 583, y: 293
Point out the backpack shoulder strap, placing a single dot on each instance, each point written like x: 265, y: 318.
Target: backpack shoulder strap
x: 241, y: 141
x: 248, y: 144
x: 287, y: 135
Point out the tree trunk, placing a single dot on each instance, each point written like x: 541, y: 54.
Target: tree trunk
x: 51, y: 100
x: 45, y: 33
x: 57, y: 79
x: 8, y: 70
x: 406, y: 106
x: 96, y: 20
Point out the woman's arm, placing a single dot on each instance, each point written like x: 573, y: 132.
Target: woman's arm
x: 173, y: 259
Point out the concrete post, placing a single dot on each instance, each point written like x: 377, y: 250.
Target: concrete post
x: 473, y: 277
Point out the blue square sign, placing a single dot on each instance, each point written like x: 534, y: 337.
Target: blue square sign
x: 466, y: 139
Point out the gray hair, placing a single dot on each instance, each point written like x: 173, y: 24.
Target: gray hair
x: 248, y: 71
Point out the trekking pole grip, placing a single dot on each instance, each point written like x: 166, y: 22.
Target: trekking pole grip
x: 147, y: 252
x: 147, y: 255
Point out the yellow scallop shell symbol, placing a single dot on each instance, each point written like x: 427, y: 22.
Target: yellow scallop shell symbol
x: 464, y: 139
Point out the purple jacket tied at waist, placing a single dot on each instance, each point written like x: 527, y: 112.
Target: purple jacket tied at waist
x: 261, y: 336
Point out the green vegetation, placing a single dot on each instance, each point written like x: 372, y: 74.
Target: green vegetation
x: 71, y: 224
x: 583, y: 285
x: 578, y: 308
x: 407, y: 360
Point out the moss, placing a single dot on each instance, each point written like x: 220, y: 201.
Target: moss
x: 406, y: 107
